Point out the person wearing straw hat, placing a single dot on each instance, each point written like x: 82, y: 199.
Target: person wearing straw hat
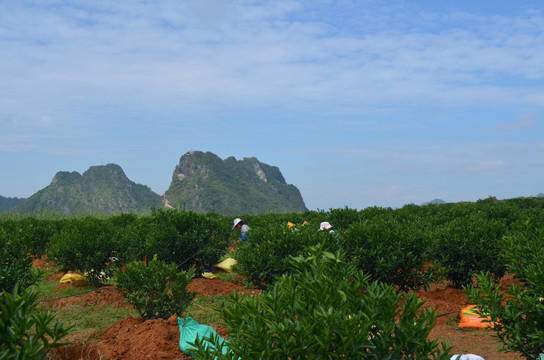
x: 240, y: 224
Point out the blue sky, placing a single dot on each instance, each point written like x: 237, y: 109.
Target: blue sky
x: 358, y: 103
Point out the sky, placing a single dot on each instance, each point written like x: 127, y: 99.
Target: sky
x: 359, y: 103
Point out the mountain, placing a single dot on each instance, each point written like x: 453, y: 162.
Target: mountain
x: 7, y: 203
x: 540, y: 195
x: 202, y: 182
x: 434, y: 201
x: 102, y: 189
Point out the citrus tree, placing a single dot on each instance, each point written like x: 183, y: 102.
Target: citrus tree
x: 16, y: 263
x: 518, y: 313
x: 157, y: 290
x: 25, y: 332
x: 86, y: 245
x: 325, y: 309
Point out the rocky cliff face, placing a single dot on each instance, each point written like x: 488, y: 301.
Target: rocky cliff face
x: 101, y: 189
x: 202, y: 182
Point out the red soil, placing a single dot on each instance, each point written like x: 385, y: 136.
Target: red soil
x: 43, y: 263
x: 134, y: 338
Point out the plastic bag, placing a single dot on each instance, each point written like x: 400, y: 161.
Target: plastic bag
x: 469, y: 318
x: 189, y: 330
x: 226, y: 265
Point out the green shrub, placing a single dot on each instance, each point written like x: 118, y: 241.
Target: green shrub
x: 184, y: 238
x: 341, y: 218
x: 391, y: 251
x: 16, y: 263
x: 265, y: 254
x: 519, y: 311
x: 157, y: 290
x: 86, y: 245
x: 465, y: 246
x: 33, y: 232
x: 122, y: 220
x: 130, y: 234
x: 326, y: 310
x: 26, y: 333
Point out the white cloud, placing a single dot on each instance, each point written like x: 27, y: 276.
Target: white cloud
x: 265, y: 56
x: 485, y: 166
x: 522, y: 123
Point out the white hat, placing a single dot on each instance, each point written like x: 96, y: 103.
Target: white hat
x: 325, y: 226
x: 236, y: 221
x: 466, y: 357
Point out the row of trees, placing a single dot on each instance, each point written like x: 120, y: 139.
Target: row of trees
x: 409, y: 247
x: 406, y: 249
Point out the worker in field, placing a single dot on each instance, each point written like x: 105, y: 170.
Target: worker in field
x: 240, y: 224
x: 326, y: 226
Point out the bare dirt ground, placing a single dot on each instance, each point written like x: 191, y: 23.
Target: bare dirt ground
x: 135, y: 339
x: 482, y: 342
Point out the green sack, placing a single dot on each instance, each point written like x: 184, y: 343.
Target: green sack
x: 189, y: 330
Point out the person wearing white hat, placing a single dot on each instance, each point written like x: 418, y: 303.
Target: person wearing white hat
x: 240, y: 224
x: 325, y: 225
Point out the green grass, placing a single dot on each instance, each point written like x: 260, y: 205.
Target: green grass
x: 88, y: 319
x: 229, y: 277
x: 454, y: 320
x: 92, y: 318
x: 204, y: 309
x: 49, y: 290
x: 85, y: 318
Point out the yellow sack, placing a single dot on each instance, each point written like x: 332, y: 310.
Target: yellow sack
x: 68, y: 278
x: 226, y: 265
x: 208, y: 275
